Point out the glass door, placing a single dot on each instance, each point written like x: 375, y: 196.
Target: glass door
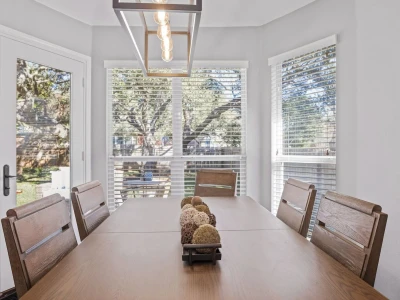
x: 42, y: 136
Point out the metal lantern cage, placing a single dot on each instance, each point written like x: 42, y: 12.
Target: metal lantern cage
x: 193, y: 10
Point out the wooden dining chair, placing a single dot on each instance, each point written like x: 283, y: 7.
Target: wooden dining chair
x: 215, y: 183
x: 38, y: 235
x: 89, y: 206
x: 351, y: 231
x: 296, y: 205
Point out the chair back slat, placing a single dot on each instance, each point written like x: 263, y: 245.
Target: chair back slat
x: 292, y: 217
x: 36, y: 227
x: 89, y: 206
x: 344, y: 252
x: 215, y: 183
x: 351, y: 231
x: 34, y: 206
x: 90, y: 195
x: 352, y: 202
x: 96, y: 218
x: 298, y: 196
x: 38, y: 235
x: 53, y: 250
x: 297, y: 202
x: 350, y: 222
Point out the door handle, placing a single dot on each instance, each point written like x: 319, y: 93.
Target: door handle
x: 6, y: 180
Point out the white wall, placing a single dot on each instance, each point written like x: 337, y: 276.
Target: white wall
x: 378, y: 137
x: 32, y: 18
x: 111, y: 43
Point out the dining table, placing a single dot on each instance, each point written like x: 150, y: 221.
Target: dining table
x: 136, y: 253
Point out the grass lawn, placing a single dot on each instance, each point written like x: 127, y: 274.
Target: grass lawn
x: 28, y: 192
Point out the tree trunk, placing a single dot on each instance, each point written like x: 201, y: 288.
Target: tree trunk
x: 216, y: 113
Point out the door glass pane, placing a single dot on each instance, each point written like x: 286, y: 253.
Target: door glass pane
x: 43, y: 131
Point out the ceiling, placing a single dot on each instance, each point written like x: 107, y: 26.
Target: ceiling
x: 216, y: 13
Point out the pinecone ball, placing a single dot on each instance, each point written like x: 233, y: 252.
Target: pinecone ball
x: 187, y: 216
x: 187, y: 232
x: 213, y: 220
x: 203, y: 208
x: 206, y: 234
x: 186, y: 200
x: 201, y: 218
x: 196, y: 200
x: 187, y: 206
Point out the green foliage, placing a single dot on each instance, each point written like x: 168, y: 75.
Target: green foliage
x: 43, y: 113
x: 309, y: 103
x: 141, y: 107
x: 211, y: 108
x: 37, y: 174
x: 42, y: 93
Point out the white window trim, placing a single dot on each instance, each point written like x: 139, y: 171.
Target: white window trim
x: 179, y: 158
x: 276, y: 100
x: 303, y: 50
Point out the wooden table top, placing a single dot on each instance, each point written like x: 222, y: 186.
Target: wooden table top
x: 162, y: 215
x: 256, y: 264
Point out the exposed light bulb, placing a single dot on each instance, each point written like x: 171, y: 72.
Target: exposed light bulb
x: 161, y: 17
x: 167, y: 44
x: 167, y: 56
x: 164, y: 32
x: 160, y: 1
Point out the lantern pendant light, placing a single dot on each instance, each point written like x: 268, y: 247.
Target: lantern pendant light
x: 162, y: 12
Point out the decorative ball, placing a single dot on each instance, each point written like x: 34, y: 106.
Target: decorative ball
x: 203, y: 208
x: 187, y: 216
x: 186, y: 206
x: 196, y: 200
x: 206, y: 234
x: 187, y: 232
x: 213, y: 220
x: 186, y: 200
x: 201, y: 218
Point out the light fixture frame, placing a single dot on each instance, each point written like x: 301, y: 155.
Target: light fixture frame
x: 194, y: 10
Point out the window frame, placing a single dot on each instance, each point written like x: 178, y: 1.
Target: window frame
x: 277, y: 155
x: 178, y: 159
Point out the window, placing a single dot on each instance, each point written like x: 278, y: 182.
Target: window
x: 162, y: 130
x: 304, y: 119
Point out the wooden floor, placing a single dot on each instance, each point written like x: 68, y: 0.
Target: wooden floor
x: 136, y: 254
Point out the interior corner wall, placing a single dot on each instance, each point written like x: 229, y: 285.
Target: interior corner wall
x: 378, y: 137
x: 313, y: 22
x: 35, y: 19
x: 112, y: 43
x: 368, y: 105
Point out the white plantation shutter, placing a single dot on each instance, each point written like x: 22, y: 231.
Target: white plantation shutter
x: 162, y: 130
x: 304, y: 120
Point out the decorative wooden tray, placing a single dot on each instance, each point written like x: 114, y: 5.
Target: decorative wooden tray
x: 191, y: 255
